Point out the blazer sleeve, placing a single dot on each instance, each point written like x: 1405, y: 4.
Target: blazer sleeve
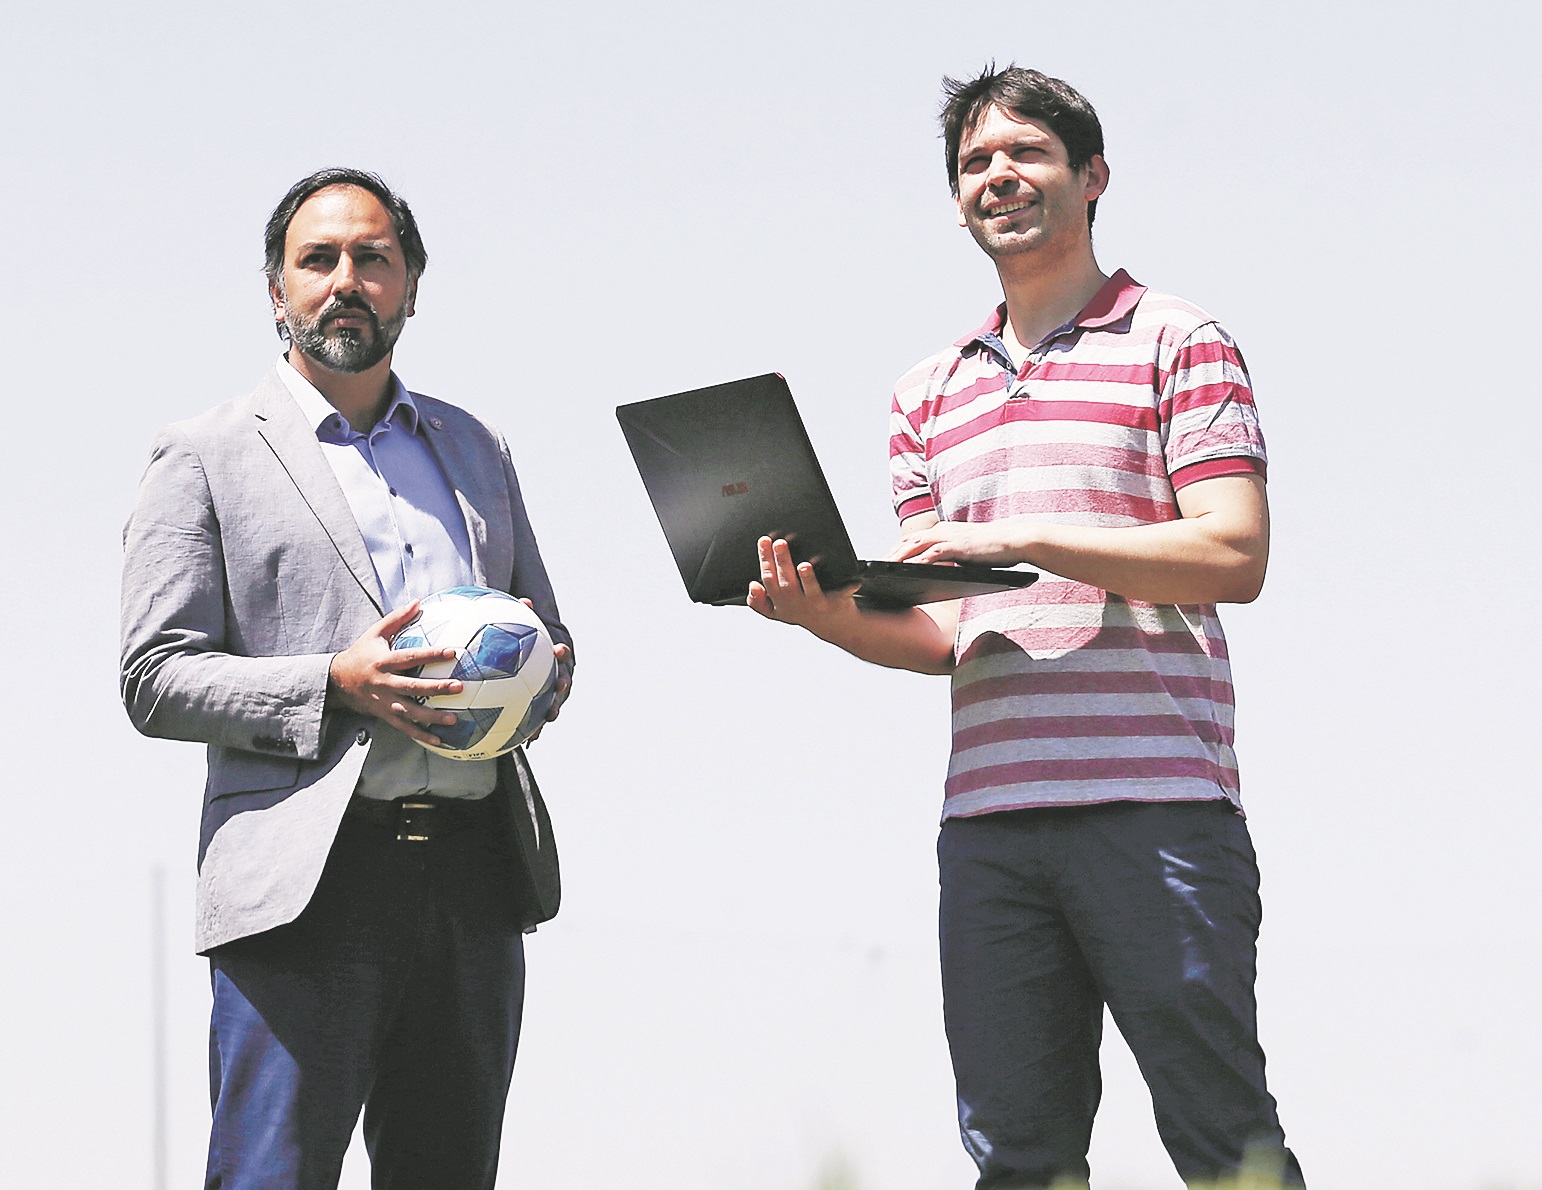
x: 177, y: 677
x: 530, y: 579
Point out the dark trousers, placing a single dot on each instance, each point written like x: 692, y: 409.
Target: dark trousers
x: 398, y: 990
x: 1049, y: 914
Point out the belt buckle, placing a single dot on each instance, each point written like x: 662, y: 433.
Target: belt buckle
x: 414, y: 821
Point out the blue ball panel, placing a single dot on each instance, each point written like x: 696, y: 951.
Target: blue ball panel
x: 497, y: 651
x: 470, y: 726
x: 410, y: 637
x: 535, y: 716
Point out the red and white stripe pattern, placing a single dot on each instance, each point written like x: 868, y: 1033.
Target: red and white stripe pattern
x: 1064, y: 694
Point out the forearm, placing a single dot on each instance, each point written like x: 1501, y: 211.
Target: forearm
x: 907, y: 638
x: 1216, y: 551
x: 261, y: 704
x: 1175, y: 562
x: 913, y: 638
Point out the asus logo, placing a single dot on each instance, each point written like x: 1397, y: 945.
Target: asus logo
x: 736, y: 489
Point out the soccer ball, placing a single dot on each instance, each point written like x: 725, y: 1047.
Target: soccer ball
x: 504, y: 658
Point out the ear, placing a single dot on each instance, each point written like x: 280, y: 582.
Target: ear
x: 1096, y: 177
x: 958, y: 204
x: 276, y: 296
x: 412, y: 298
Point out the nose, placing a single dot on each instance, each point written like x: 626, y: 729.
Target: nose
x: 1000, y: 172
x: 344, y: 279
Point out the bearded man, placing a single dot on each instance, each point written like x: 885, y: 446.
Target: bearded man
x: 362, y: 900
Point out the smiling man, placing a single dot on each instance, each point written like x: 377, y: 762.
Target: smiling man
x: 362, y: 901
x: 1092, y: 850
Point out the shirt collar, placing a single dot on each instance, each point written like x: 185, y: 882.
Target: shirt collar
x: 1112, y: 302
x: 319, y: 411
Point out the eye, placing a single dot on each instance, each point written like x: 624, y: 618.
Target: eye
x: 974, y: 164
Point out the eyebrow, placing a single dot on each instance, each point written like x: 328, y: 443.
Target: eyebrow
x: 1029, y: 137
x: 968, y: 153
x: 372, y: 245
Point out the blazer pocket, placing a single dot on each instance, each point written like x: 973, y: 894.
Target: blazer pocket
x: 232, y: 771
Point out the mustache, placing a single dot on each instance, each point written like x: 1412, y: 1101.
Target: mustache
x: 339, y: 305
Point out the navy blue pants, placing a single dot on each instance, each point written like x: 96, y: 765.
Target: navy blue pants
x: 398, y: 990
x: 1049, y: 914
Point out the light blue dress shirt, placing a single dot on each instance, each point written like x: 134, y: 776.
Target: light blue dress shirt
x: 417, y: 540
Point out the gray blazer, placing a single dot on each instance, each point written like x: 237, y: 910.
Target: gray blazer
x: 244, y: 572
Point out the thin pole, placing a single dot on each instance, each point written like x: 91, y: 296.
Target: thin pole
x: 158, y: 1027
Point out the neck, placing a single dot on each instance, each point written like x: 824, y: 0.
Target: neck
x: 1044, y: 295
x: 359, y: 396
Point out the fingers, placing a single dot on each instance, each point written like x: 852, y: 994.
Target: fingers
x: 790, y: 592
x: 409, y: 717
x: 409, y: 728
x: 402, y: 659
x: 413, y: 689
x: 760, y: 598
x: 786, y: 569
x: 759, y: 601
x: 931, y: 545
x: 394, y: 621
x: 564, y: 657
x: 767, y: 563
x: 778, y: 572
x: 779, y: 591
x: 391, y: 693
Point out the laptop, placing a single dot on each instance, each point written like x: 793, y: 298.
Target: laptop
x: 728, y: 464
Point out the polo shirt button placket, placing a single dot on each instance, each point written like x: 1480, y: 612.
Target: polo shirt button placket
x: 1019, y: 389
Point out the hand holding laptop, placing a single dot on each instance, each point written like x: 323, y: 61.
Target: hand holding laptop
x: 790, y: 592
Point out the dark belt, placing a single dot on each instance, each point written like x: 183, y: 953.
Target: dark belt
x: 419, y: 819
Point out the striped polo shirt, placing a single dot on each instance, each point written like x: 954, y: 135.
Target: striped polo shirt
x: 1064, y: 694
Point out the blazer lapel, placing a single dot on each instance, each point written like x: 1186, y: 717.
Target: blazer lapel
x: 476, y: 477
x: 282, y: 426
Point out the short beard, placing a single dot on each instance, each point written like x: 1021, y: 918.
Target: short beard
x: 347, y: 350
x: 997, y: 246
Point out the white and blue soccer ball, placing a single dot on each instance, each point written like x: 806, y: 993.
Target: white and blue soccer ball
x: 503, y: 657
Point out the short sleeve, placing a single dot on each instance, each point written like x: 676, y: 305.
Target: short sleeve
x: 907, y: 460
x: 1207, y: 409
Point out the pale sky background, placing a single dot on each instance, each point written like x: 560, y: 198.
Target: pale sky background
x: 623, y: 200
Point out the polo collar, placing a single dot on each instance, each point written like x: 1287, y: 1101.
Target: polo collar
x: 1113, y: 302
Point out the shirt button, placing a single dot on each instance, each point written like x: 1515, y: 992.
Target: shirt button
x: 393, y: 491
x: 363, y: 736
x: 409, y: 549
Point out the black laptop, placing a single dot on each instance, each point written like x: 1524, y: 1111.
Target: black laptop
x: 727, y: 464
